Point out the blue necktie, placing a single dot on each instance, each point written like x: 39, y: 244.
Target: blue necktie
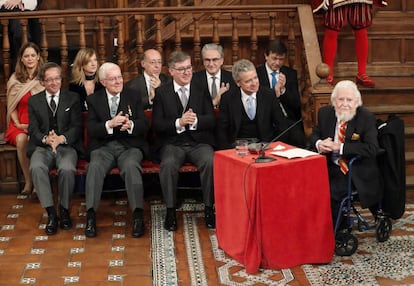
x: 251, y: 109
x: 274, y: 80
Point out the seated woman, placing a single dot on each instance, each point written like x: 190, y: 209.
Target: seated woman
x: 345, y: 130
x: 22, y: 84
x: 84, y: 77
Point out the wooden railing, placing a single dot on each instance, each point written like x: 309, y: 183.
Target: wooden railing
x: 244, y: 32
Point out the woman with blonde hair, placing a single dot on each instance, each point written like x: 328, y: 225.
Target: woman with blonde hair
x: 84, y: 75
x: 22, y: 84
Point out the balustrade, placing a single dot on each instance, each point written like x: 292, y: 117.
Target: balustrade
x: 122, y: 35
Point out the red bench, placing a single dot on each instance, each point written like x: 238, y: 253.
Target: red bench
x: 148, y: 166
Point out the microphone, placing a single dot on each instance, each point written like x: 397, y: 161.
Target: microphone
x: 262, y: 157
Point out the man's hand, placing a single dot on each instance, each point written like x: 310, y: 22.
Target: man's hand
x: 223, y: 88
x: 188, y: 117
x: 127, y: 124
x: 328, y: 145
x: 54, y: 140
x: 155, y: 81
x: 280, y: 85
x: 118, y: 120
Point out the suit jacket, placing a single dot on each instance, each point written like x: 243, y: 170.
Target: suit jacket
x: 68, y: 116
x: 167, y: 108
x: 291, y: 98
x: 99, y: 113
x: 139, y: 86
x: 360, y: 140
x: 269, y: 117
x: 225, y: 77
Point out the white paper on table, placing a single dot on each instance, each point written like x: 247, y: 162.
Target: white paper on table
x: 279, y: 147
x: 294, y: 153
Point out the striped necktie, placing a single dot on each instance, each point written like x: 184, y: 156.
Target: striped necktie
x: 52, y: 103
x: 343, y: 165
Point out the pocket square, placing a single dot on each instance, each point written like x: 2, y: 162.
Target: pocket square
x: 67, y: 109
x: 355, y: 137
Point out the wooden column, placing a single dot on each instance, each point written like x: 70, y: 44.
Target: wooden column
x: 63, y: 51
x: 6, y: 49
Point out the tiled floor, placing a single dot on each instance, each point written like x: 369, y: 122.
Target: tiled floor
x: 28, y: 256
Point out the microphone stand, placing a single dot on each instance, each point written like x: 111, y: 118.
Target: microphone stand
x: 262, y: 156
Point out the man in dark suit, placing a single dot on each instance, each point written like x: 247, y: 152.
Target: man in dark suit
x: 283, y: 81
x: 55, y: 130
x: 234, y: 120
x: 116, y: 128
x: 183, y: 119
x: 151, y: 78
x: 213, y: 78
x: 360, y: 139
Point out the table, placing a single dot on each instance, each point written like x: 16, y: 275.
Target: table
x: 273, y: 215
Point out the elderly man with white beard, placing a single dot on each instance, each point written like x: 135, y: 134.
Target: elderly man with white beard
x: 347, y: 129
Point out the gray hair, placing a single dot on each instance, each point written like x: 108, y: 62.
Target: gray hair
x: 105, y: 67
x: 177, y: 57
x: 241, y: 66
x: 212, y: 47
x: 344, y: 84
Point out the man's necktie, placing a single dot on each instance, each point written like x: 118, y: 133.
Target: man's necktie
x: 114, y: 106
x: 274, y: 79
x: 341, y: 139
x: 52, y: 103
x: 213, y: 87
x: 183, y: 97
x: 251, y: 109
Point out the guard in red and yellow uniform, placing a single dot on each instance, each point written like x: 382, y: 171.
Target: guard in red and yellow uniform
x: 337, y: 13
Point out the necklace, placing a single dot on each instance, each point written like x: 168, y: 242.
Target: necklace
x: 89, y: 77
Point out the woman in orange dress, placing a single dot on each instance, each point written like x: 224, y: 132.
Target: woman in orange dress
x: 22, y: 84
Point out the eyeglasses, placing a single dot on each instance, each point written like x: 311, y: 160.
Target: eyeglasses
x: 114, y: 78
x: 183, y: 69
x: 53, y: 79
x: 155, y: 62
x: 214, y: 60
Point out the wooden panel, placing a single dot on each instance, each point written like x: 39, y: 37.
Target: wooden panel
x: 3, y: 111
x: 385, y: 51
x: 9, y: 180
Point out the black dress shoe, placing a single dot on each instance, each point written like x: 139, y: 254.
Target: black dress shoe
x: 65, y: 221
x: 52, y: 224
x: 138, y: 227
x: 90, y: 229
x: 210, y: 217
x: 170, y: 222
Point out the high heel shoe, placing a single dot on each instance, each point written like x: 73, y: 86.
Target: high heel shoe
x: 26, y: 192
x: 365, y: 80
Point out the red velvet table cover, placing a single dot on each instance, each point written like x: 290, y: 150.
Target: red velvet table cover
x: 273, y: 215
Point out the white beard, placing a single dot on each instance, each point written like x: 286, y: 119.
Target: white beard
x: 345, y: 116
